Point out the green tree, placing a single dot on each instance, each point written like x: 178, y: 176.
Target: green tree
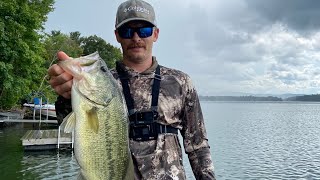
x: 57, y: 41
x: 53, y: 42
x: 76, y: 36
x: 21, y: 52
x: 110, y: 54
x: 75, y: 45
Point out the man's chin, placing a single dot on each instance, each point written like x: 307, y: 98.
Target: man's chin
x: 137, y: 57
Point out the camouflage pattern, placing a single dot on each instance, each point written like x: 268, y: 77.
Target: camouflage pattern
x: 178, y: 107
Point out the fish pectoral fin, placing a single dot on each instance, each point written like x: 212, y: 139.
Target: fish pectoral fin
x: 93, y: 120
x: 69, y: 123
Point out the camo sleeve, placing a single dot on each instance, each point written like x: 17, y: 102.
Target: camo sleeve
x: 194, y: 135
x: 63, y: 108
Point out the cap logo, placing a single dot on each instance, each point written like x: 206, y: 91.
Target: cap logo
x: 136, y: 8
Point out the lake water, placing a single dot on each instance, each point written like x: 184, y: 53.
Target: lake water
x: 267, y: 140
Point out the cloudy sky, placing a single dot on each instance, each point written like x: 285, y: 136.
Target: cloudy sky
x: 249, y: 46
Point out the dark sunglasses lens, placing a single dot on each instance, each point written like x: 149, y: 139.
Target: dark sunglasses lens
x: 127, y: 33
x: 145, y: 32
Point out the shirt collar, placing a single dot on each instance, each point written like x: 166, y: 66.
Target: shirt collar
x: 133, y: 73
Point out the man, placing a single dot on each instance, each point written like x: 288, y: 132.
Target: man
x: 160, y: 101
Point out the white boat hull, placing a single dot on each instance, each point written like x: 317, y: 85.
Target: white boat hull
x: 45, y: 109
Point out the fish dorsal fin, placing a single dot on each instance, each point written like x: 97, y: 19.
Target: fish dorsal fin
x: 69, y: 123
x: 93, y: 120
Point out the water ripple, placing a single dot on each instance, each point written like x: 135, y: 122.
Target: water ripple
x: 50, y: 165
x: 264, y: 140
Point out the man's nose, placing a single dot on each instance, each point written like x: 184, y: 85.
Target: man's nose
x: 136, y: 37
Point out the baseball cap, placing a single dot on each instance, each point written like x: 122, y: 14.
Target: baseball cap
x: 135, y: 10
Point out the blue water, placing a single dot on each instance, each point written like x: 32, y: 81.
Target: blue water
x: 266, y: 140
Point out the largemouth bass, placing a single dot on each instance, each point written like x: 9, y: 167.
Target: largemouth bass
x: 99, y: 120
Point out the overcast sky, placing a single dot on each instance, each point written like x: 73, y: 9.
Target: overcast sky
x: 250, y: 46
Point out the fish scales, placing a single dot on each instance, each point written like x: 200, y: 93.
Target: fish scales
x: 99, y: 120
x: 109, y: 145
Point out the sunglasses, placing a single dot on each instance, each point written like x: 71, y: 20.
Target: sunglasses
x: 128, y: 33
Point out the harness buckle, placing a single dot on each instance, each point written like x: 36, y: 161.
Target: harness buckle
x: 142, y: 125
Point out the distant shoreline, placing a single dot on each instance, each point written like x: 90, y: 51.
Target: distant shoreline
x: 250, y: 98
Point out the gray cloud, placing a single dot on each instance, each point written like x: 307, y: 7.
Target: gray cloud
x: 299, y: 15
x: 258, y: 46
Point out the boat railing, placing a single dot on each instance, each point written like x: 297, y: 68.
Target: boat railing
x: 38, y: 106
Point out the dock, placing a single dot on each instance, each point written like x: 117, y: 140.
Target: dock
x: 11, y: 118
x: 28, y: 121
x: 10, y: 114
x: 6, y: 117
x: 46, y: 139
x: 38, y: 139
x: 5, y: 122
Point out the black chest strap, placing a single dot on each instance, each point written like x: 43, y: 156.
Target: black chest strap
x: 143, y: 125
x: 126, y: 89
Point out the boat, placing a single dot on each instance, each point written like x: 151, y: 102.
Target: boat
x: 36, y: 105
x: 48, y: 110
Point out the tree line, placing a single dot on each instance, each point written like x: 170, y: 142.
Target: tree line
x: 26, y: 51
x: 310, y: 98
x: 238, y: 98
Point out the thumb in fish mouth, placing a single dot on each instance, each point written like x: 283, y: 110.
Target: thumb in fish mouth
x: 62, y: 56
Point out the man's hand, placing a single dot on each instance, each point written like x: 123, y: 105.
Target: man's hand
x: 60, y: 80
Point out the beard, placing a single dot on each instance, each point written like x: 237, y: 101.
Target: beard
x: 135, y: 57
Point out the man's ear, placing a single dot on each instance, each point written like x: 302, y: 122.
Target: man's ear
x: 156, y: 34
x: 117, y: 35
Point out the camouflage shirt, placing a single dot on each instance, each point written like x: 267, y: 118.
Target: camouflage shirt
x: 178, y: 107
